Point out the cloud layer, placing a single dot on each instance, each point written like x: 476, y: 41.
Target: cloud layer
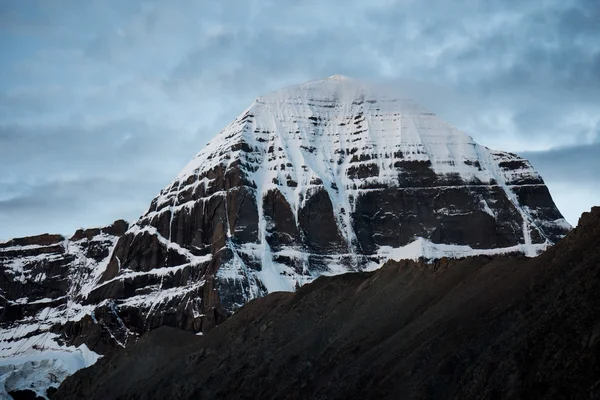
x: 102, y: 102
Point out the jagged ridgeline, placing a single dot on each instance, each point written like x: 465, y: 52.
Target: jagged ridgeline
x: 325, y: 177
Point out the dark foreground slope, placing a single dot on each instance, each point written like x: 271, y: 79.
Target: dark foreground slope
x: 468, y: 329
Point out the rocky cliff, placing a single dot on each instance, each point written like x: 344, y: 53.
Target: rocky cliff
x: 321, y: 178
x: 317, y: 179
x: 46, y: 330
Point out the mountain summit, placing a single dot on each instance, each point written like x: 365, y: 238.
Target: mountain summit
x: 321, y: 178
x: 327, y: 177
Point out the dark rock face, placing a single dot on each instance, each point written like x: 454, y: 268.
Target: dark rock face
x: 475, y: 328
x: 25, y: 395
x: 118, y: 228
x: 318, y: 224
x: 379, y: 224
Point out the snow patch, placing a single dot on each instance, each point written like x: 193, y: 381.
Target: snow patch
x: 424, y: 249
x: 39, y: 362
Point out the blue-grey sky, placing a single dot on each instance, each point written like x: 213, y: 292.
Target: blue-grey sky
x: 102, y: 102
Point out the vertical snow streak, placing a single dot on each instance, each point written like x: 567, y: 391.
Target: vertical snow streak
x: 489, y: 164
x: 270, y: 275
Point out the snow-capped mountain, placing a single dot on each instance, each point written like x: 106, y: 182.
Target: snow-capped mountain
x: 325, y: 177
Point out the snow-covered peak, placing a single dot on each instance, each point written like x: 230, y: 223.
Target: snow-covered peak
x: 349, y: 137
x: 338, y: 77
x: 342, y: 146
x: 339, y: 115
x: 335, y: 89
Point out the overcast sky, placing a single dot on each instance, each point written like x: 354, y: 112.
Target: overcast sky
x: 103, y: 102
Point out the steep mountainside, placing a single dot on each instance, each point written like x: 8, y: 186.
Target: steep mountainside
x: 45, y: 329
x: 475, y: 328
x: 322, y: 178
x: 317, y: 179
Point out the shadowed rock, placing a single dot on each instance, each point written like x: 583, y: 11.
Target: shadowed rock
x: 475, y: 328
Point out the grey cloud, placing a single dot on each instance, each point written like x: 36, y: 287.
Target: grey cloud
x: 581, y: 19
x: 571, y: 174
x: 579, y: 164
x: 143, y: 86
x: 69, y: 176
x: 59, y: 206
x: 107, y: 149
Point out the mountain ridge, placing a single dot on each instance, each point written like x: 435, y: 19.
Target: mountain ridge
x: 321, y: 178
x: 475, y: 328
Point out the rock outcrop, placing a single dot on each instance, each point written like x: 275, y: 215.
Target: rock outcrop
x: 46, y: 332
